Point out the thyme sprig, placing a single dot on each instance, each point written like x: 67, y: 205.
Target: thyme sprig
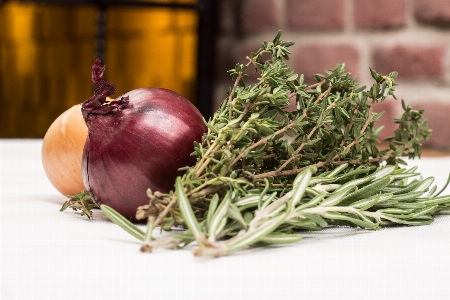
x: 265, y: 172
x: 82, y: 202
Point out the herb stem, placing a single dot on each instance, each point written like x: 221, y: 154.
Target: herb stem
x: 323, y: 95
x: 236, y: 83
x: 313, y: 130
x: 312, y: 86
x: 321, y: 210
x: 259, y: 143
x: 166, y: 210
x: 205, y: 160
x: 355, y: 141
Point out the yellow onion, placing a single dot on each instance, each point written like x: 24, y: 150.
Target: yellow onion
x: 62, y: 151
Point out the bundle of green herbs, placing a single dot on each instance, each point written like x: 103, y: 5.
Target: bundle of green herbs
x: 265, y: 173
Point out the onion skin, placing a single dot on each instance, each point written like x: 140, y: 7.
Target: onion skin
x: 62, y: 151
x: 136, y: 142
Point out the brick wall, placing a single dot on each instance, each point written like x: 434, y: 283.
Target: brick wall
x: 411, y: 37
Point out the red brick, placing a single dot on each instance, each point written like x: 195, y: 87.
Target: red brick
x: 315, y: 59
x: 259, y: 15
x: 380, y: 14
x: 410, y: 61
x: 315, y: 14
x: 433, y: 11
x: 226, y: 22
x: 437, y: 114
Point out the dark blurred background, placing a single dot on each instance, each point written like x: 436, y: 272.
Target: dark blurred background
x: 46, y: 51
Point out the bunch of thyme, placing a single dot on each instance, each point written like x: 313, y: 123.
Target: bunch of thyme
x: 265, y: 172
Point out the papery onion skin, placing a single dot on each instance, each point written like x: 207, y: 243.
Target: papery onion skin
x: 136, y: 142
x: 62, y: 150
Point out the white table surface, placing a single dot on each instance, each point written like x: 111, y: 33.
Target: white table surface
x: 46, y: 254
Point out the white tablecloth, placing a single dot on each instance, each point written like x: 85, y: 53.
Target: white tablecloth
x: 46, y: 254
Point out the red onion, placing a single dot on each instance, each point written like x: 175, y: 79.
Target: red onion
x: 135, y: 142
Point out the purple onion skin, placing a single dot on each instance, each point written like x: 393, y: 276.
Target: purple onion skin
x: 136, y: 142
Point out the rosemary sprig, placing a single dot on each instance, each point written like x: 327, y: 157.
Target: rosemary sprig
x: 264, y: 173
